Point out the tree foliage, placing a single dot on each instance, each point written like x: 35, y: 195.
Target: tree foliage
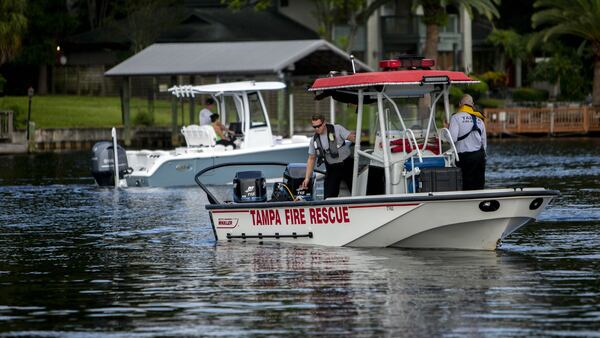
x: 146, y: 20
x: 512, y: 43
x: 49, y: 22
x: 566, y: 67
x: 435, y: 15
x: 567, y: 17
x: 13, y: 24
x: 328, y: 13
x: 570, y: 17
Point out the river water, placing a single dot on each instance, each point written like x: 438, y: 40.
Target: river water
x: 81, y: 261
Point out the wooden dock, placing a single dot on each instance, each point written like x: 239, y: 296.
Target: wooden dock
x: 551, y: 121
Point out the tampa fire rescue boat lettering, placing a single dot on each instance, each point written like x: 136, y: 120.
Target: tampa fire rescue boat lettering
x: 321, y: 215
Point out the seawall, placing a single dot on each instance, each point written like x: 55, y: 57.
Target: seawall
x: 67, y: 139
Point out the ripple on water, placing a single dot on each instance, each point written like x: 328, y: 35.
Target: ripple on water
x: 79, y: 261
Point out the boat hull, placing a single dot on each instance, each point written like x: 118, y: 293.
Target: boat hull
x: 450, y: 220
x: 181, y: 170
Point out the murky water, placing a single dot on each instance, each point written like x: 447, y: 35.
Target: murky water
x: 81, y: 261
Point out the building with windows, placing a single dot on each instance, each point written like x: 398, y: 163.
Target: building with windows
x: 397, y: 29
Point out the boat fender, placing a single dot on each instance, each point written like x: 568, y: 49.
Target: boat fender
x: 536, y: 203
x: 489, y: 205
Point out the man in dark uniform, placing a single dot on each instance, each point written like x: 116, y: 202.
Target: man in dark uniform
x: 329, y: 144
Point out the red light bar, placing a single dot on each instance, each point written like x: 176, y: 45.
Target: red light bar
x: 427, y: 63
x: 406, y: 63
x: 389, y: 64
x: 410, y: 63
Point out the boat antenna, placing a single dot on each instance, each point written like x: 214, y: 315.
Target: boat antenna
x: 352, y: 60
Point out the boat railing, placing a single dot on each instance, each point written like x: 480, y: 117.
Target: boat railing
x: 445, y: 133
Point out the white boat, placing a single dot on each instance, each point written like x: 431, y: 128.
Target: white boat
x: 242, y: 106
x: 406, y: 192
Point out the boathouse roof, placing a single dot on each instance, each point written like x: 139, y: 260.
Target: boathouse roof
x: 298, y: 57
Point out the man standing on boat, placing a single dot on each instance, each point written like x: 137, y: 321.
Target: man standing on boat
x: 206, y: 112
x: 329, y: 145
x: 467, y: 129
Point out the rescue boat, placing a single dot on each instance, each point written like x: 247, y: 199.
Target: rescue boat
x: 406, y: 189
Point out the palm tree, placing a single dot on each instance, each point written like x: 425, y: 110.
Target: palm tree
x: 513, y: 46
x: 328, y: 13
x: 572, y: 17
x: 435, y: 16
x: 13, y: 24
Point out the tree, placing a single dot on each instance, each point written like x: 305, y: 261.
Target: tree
x: 49, y: 23
x: 94, y: 13
x: 435, y: 16
x: 13, y: 24
x: 329, y: 13
x: 571, y: 17
x: 146, y: 20
x: 513, y: 46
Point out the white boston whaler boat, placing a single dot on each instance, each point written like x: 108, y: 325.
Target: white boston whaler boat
x: 406, y: 189
x: 242, y: 106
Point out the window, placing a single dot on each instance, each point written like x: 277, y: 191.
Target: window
x: 232, y: 108
x: 257, y: 115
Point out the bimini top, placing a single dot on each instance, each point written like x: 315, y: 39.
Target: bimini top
x: 242, y: 86
x: 395, y: 78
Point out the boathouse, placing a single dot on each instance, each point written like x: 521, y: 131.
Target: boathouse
x: 295, y: 62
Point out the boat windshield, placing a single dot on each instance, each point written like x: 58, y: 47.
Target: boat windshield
x: 257, y: 114
x: 233, y: 109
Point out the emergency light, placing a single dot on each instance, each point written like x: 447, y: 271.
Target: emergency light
x: 406, y: 63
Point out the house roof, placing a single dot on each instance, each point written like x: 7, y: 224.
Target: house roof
x: 299, y: 57
x: 223, y: 24
x: 215, y: 24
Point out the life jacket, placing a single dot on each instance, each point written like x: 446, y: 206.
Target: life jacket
x: 331, y: 155
x: 474, y: 116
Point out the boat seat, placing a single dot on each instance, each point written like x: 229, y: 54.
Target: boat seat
x: 428, y: 162
x: 198, y: 136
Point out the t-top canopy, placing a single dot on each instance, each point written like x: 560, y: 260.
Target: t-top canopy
x: 394, y: 78
x: 242, y: 86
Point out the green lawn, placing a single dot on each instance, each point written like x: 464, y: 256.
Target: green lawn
x: 57, y: 111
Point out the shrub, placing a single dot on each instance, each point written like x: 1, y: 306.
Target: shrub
x: 490, y: 103
x: 477, y: 90
x: 143, y: 118
x: 455, y: 94
x: 529, y: 94
x: 495, y: 80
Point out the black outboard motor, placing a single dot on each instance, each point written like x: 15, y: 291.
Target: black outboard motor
x: 293, y: 176
x: 103, y: 163
x: 249, y: 186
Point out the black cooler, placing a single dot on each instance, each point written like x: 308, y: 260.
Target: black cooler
x: 439, y: 179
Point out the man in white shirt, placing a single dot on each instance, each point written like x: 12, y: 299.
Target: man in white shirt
x: 206, y: 112
x: 467, y: 129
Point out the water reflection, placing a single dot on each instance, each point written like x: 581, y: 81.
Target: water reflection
x: 77, y: 260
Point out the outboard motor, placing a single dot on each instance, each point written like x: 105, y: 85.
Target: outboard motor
x: 293, y: 176
x: 103, y: 163
x: 249, y: 186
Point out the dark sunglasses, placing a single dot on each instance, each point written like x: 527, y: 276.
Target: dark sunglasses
x: 319, y: 126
